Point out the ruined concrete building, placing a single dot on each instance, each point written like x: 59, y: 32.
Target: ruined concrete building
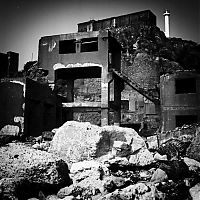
x: 116, y: 58
x: 119, y: 70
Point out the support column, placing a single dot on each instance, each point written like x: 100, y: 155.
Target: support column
x: 118, y: 87
x: 105, y: 94
x: 70, y: 96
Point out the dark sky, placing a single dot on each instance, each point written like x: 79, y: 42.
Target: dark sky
x: 24, y: 22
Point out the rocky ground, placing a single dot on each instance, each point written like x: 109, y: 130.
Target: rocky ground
x: 85, y: 161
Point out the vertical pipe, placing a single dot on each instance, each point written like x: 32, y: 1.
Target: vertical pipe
x: 167, y: 23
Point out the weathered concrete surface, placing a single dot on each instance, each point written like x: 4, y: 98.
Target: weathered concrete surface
x: 78, y: 141
x: 141, y: 158
x: 194, y: 148
x: 25, y: 167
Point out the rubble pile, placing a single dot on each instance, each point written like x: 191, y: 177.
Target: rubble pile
x: 104, y: 163
x: 24, y: 169
x: 184, y: 133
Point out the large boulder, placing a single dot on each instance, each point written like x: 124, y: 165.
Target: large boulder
x: 78, y: 141
x: 30, y: 170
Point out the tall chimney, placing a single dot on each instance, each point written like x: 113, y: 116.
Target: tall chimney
x: 166, y: 16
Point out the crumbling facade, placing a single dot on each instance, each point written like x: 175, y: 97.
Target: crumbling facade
x: 79, y: 56
x: 119, y: 70
x: 180, y: 97
x: 67, y: 51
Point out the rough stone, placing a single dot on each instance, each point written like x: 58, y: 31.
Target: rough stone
x: 195, y: 192
x: 152, y: 142
x: 159, y: 176
x: 66, y: 191
x: 10, y: 130
x: 194, y: 148
x: 87, y: 180
x: 8, y: 188
x: 192, y: 164
x: 78, y: 141
x: 32, y: 167
x: 121, y: 149
x: 139, y: 191
x: 121, y: 162
x: 158, y: 157
x: 84, y: 165
x: 173, y: 148
x: 142, y: 158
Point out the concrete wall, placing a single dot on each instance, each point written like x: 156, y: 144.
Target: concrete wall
x: 49, y: 55
x: 181, y: 104
x: 9, y: 64
x: 3, y: 65
x: 41, y: 110
x: 12, y: 107
x: 145, y: 17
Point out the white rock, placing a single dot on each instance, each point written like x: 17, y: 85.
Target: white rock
x: 10, y: 130
x: 142, y: 157
x: 80, y: 166
x: 152, y: 142
x: 78, y: 141
x: 191, y: 163
x: 195, y: 192
x: 158, y: 176
x: 157, y: 156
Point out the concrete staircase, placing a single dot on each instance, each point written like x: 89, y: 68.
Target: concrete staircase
x: 152, y: 95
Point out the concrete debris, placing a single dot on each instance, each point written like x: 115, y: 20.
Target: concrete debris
x: 195, y: 192
x: 26, y: 168
x: 122, y: 168
x: 159, y: 176
x: 192, y: 164
x: 158, y: 157
x: 194, y: 148
x: 10, y: 130
x: 78, y: 141
x: 142, y: 158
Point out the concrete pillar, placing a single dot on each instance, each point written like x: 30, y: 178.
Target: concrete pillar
x: 132, y: 99
x: 105, y: 93
x: 167, y: 27
x: 105, y: 96
x: 70, y: 96
x: 117, y: 101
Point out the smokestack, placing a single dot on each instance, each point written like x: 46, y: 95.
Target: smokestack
x: 166, y: 16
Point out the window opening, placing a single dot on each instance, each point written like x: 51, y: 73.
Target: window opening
x: 89, y: 44
x: 187, y: 85
x: 67, y: 46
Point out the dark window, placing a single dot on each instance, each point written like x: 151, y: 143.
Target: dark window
x: 89, y: 44
x: 187, y: 85
x: 185, y: 119
x: 67, y: 46
x: 125, y: 104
